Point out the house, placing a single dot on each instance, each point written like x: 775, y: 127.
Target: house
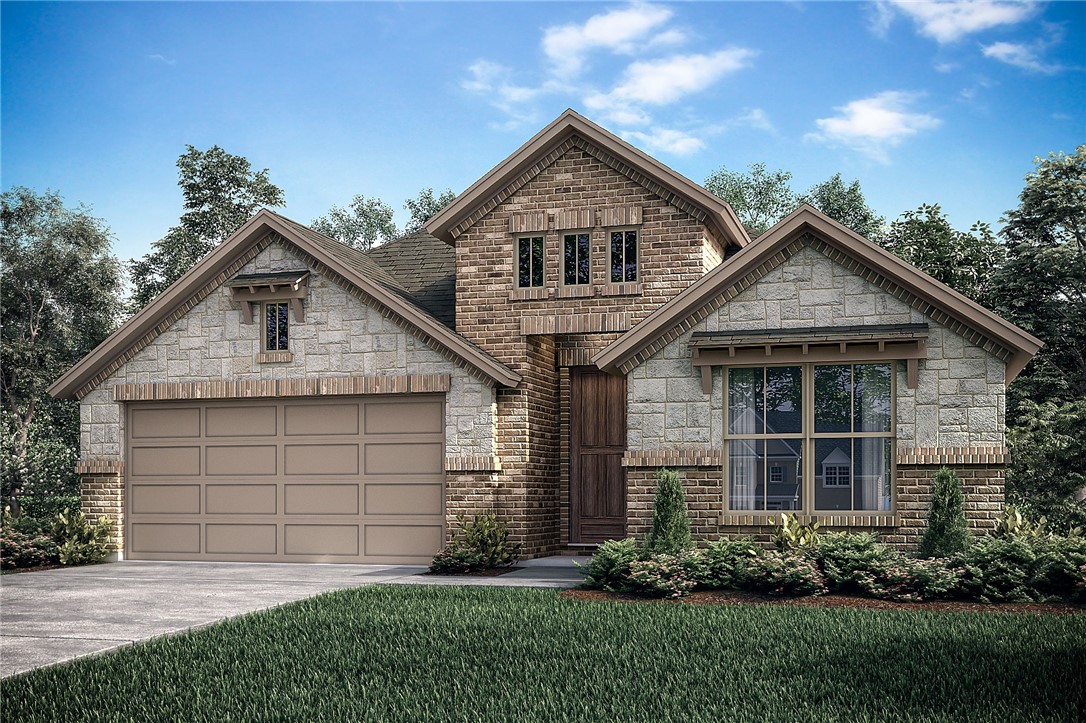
x: 579, y: 317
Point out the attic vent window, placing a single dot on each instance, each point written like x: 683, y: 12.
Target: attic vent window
x: 253, y: 290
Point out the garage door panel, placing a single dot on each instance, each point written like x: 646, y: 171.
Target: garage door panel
x: 317, y: 459
x: 321, y: 499
x: 240, y: 539
x: 165, y: 499
x: 404, y: 458
x: 240, y: 460
x: 169, y: 537
x: 404, y: 418
x: 160, y: 423
x: 409, y: 540
x: 337, y: 540
x: 322, y: 419
x: 165, y: 462
x: 231, y: 499
x: 255, y: 421
x: 399, y: 499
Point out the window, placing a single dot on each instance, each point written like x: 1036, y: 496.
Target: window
x: 276, y: 325
x: 830, y: 424
x: 576, y: 259
x: 623, y: 256
x: 529, y: 262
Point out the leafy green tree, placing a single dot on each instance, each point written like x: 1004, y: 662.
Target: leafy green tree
x: 760, y: 198
x: 670, y: 532
x: 966, y: 261
x: 845, y: 203
x: 221, y: 191
x: 946, y: 532
x: 60, y: 297
x: 423, y: 207
x: 364, y: 224
x: 1048, y: 449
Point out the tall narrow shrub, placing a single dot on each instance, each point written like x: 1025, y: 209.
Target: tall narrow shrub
x: 947, y: 532
x: 670, y: 533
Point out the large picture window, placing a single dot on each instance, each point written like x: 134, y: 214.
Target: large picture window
x: 810, y: 438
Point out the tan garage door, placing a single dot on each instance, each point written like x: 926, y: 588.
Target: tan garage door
x: 310, y: 480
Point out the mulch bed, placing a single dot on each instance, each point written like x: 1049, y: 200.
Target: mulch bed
x: 730, y: 597
x: 492, y: 572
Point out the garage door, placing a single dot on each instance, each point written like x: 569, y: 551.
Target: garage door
x: 309, y: 480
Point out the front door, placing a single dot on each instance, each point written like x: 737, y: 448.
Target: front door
x: 597, y: 479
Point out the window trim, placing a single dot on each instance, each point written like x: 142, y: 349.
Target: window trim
x: 807, y: 478
x: 517, y: 238
x: 637, y: 245
x: 264, y: 326
x: 562, y: 257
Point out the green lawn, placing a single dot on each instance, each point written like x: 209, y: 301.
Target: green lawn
x: 438, y: 653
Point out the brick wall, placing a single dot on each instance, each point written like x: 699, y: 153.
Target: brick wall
x: 102, y: 495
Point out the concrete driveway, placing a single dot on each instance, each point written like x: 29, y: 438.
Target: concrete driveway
x: 56, y: 615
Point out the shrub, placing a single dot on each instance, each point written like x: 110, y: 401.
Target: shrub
x: 907, y: 579
x: 784, y: 573
x: 842, y: 556
x: 727, y: 563
x: 996, y: 569
x: 790, y: 534
x: 670, y: 533
x: 481, y: 543
x: 78, y: 541
x: 946, y: 533
x: 609, y: 568
x: 1061, y: 567
x: 666, y: 575
x: 20, y: 549
x: 49, y: 506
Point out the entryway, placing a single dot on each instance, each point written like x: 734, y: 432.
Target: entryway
x: 597, y: 480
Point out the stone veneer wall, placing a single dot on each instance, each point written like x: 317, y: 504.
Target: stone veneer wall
x: 672, y: 256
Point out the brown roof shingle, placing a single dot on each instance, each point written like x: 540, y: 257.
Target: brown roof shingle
x: 426, y: 268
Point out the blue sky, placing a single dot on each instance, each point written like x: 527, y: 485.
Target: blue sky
x: 922, y: 102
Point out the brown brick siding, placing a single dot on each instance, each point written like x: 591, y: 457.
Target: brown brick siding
x: 102, y: 495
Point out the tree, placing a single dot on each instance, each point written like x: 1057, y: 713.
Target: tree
x: 366, y: 223
x: 424, y: 206
x: 963, y: 260
x: 221, y: 191
x: 946, y: 532
x: 670, y: 532
x: 760, y: 198
x: 60, y: 298
x: 846, y: 205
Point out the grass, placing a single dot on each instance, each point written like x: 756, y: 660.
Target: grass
x: 444, y: 653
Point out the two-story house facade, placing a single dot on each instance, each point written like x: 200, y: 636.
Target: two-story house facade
x: 576, y: 319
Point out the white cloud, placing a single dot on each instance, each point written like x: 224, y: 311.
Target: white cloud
x: 158, y: 57
x: 946, y: 21
x: 667, y: 140
x: 946, y: 67
x: 1020, y: 55
x: 493, y: 80
x: 620, y: 31
x: 873, y: 125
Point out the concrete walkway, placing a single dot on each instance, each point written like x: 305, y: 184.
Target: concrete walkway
x: 52, y: 616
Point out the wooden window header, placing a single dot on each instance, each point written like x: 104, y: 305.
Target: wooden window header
x: 252, y: 289
x: 841, y: 344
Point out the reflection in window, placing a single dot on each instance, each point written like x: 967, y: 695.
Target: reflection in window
x: 275, y: 326
x: 623, y: 256
x: 575, y: 259
x: 529, y: 261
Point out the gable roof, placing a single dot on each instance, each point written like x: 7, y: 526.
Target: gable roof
x: 933, y: 298
x: 352, y: 266
x: 486, y: 193
x: 426, y: 268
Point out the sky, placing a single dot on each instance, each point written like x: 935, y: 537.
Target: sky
x: 941, y: 102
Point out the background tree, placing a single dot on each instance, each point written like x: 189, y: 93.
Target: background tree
x: 221, y: 191
x: 760, y: 198
x: 845, y: 203
x: 423, y: 207
x: 60, y: 297
x: 366, y: 223
x: 965, y: 261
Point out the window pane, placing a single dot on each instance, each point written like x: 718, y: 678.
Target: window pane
x: 746, y: 475
x: 537, y: 261
x: 271, y: 336
x: 524, y: 262
x: 631, y: 256
x: 745, y: 401
x: 569, y: 259
x: 785, y: 460
x: 833, y: 465
x: 872, y: 397
x: 616, y: 257
x: 833, y: 398
x: 282, y: 327
x: 583, y: 268
x: 871, y: 474
x: 784, y: 400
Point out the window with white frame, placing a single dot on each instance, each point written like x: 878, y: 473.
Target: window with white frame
x: 809, y: 437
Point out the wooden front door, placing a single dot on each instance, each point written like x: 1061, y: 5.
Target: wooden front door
x: 597, y: 480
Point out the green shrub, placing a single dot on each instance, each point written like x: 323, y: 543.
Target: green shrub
x: 20, y: 549
x: 670, y: 533
x: 47, y: 507
x: 481, y: 543
x: 996, y: 569
x: 843, y: 556
x: 666, y: 575
x: 727, y: 562
x: 790, y: 534
x: 784, y: 573
x: 78, y: 541
x: 609, y: 568
x: 907, y: 579
x: 1061, y: 567
x: 947, y: 533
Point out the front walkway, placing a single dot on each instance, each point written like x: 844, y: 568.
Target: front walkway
x: 51, y: 616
